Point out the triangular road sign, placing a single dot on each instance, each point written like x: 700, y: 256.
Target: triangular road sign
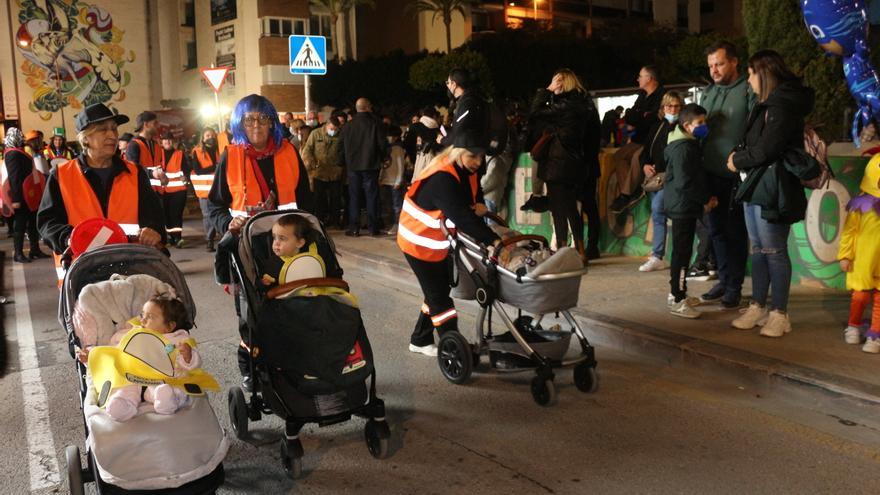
x: 308, y: 58
x: 215, y: 76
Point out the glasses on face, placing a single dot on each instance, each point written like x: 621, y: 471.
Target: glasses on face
x: 253, y: 120
x: 672, y: 106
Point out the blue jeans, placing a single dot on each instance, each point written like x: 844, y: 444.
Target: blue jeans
x: 771, y: 266
x: 658, y: 218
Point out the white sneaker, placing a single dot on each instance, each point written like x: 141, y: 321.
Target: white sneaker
x: 653, y: 264
x: 872, y: 346
x: 691, y: 301
x: 852, y: 335
x: 684, y: 310
x: 751, y: 316
x: 777, y: 324
x: 427, y: 350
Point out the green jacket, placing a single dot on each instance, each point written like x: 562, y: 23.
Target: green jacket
x: 685, y: 190
x: 322, y: 155
x: 728, y: 112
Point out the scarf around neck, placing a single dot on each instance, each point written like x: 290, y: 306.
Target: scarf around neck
x: 270, y: 149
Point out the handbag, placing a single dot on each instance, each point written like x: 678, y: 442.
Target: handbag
x: 655, y: 182
x: 541, y: 149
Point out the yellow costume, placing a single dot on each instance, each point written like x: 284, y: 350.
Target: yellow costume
x: 860, y: 240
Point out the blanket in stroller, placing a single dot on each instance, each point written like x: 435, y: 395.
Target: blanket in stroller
x: 316, y: 338
x: 532, y: 258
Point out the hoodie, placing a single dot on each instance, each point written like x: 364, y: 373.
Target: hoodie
x: 727, y: 110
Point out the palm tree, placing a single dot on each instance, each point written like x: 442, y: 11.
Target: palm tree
x: 444, y: 9
x: 337, y: 9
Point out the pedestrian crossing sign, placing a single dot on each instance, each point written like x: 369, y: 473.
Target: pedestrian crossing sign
x: 308, y: 55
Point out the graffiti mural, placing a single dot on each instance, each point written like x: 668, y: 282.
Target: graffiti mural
x: 73, y: 55
x: 812, y: 244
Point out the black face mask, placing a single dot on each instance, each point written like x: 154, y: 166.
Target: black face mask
x: 450, y: 94
x: 211, y: 143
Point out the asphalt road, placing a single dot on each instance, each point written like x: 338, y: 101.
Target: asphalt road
x: 649, y: 429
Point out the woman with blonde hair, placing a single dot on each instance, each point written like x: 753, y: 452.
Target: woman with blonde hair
x: 569, y: 162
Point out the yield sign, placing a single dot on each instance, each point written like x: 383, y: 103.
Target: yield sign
x: 215, y: 76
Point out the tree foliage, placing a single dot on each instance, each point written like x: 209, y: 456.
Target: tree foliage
x: 429, y: 74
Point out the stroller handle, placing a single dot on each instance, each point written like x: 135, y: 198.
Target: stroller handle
x: 274, y: 292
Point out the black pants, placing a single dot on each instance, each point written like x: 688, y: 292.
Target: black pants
x: 328, y: 198
x: 438, y: 311
x: 173, y: 204
x: 564, y: 210
x: 705, y: 253
x: 210, y: 230
x: 590, y: 207
x: 368, y: 182
x: 730, y: 240
x: 25, y: 221
x: 683, y: 230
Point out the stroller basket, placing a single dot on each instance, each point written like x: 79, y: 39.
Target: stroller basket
x: 537, y: 295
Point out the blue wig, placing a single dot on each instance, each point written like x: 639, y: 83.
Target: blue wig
x: 254, y: 103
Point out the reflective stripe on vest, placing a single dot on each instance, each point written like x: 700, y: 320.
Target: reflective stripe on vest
x: 202, y: 182
x: 173, y: 171
x: 242, y: 181
x: 81, y: 204
x: 418, y: 233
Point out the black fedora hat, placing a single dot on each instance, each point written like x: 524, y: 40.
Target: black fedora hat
x: 98, y: 112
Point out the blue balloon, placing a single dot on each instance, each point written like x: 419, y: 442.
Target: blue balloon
x: 841, y: 29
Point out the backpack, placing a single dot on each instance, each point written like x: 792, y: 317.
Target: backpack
x: 816, y: 148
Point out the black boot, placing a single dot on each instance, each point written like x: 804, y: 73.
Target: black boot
x: 18, y: 245
x: 36, y: 254
x: 210, y: 247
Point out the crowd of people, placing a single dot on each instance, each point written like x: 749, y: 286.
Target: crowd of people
x: 705, y: 167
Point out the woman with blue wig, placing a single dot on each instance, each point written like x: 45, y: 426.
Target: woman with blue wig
x: 259, y: 170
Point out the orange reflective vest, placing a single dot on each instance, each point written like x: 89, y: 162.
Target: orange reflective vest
x: 243, y: 184
x: 50, y: 155
x: 81, y: 204
x: 147, y: 160
x: 173, y: 170
x: 202, y: 181
x: 418, y: 233
x: 222, y: 142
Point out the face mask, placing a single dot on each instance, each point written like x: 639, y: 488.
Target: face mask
x: 390, y: 139
x: 210, y: 143
x: 701, y: 131
x: 450, y: 94
x: 312, y: 123
x: 671, y: 118
x: 331, y: 132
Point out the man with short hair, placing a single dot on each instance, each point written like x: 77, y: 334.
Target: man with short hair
x: 143, y: 149
x: 469, y: 115
x: 363, y: 146
x: 639, y: 119
x: 727, y: 101
x: 322, y: 156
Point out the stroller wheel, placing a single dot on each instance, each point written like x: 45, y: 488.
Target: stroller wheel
x: 586, y: 379
x: 291, y: 458
x: 74, y: 470
x: 543, y: 391
x: 377, y: 433
x: 238, y: 412
x: 455, y: 357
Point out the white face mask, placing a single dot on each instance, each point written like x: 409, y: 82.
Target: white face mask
x: 671, y: 118
x: 331, y: 132
x: 390, y: 140
x: 311, y: 122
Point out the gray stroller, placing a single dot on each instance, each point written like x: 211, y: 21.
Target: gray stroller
x: 526, y: 345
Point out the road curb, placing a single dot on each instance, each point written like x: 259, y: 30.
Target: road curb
x: 761, y: 372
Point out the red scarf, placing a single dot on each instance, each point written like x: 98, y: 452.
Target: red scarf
x: 270, y: 149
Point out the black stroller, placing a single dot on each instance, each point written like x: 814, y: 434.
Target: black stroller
x: 184, y: 451
x: 526, y: 345
x: 309, y: 357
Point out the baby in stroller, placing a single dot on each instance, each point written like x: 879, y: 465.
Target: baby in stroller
x: 295, y: 250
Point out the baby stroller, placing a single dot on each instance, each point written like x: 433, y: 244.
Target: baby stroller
x: 309, y: 357
x: 526, y: 346
x: 183, y: 452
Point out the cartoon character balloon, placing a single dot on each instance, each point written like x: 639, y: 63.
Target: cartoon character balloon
x: 841, y: 29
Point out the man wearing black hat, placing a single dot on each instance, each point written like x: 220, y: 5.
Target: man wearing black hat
x: 143, y: 148
x: 447, y: 189
x: 99, y: 184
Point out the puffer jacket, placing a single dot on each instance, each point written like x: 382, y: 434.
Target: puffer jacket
x: 574, y: 150
x: 775, y: 127
x: 686, y: 189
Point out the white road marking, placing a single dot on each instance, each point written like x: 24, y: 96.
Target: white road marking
x: 42, y: 464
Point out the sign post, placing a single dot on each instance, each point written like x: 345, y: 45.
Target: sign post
x: 216, y: 76
x: 308, y: 56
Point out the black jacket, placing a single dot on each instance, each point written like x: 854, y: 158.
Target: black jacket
x: 652, y: 152
x: 686, y: 188
x: 18, y: 165
x: 574, y: 151
x: 644, y: 113
x: 775, y: 127
x: 52, y: 216
x: 443, y: 192
x: 469, y: 118
x: 363, y: 143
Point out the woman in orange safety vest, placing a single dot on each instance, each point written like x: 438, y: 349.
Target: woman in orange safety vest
x: 446, y: 190
x: 99, y: 184
x: 203, y: 164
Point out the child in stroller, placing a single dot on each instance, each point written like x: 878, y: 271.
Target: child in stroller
x: 309, y: 354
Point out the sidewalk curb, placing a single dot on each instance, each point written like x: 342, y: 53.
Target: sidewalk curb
x: 674, y: 349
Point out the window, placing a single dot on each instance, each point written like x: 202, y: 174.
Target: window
x: 275, y: 26
x: 320, y: 25
x: 707, y: 7
x: 189, y: 13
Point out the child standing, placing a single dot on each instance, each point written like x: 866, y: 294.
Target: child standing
x: 391, y: 176
x: 168, y: 317
x: 859, y: 257
x: 685, y: 199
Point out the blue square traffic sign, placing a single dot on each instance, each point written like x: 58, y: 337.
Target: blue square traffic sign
x: 308, y: 55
